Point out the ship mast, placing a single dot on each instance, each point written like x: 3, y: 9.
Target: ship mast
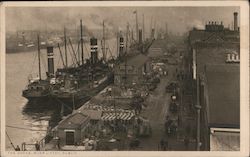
x: 103, y: 39
x: 81, y: 43
x: 136, y: 20
x: 65, y: 46
x: 39, y: 59
x: 125, y: 56
x: 143, y: 28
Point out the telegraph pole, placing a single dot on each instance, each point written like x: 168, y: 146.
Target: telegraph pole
x: 65, y: 46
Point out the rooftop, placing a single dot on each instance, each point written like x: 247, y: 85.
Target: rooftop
x: 223, y: 85
x: 93, y: 114
x: 208, y: 36
x: 73, y: 121
x: 225, y: 141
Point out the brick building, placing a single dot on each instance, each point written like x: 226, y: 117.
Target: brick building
x: 213, y: 65
x: 73, y: 129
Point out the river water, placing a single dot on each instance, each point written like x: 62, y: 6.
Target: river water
x: 29, y: 124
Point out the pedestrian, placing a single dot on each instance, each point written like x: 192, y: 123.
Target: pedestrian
x: 162, y: 144
x: 58, y: 143
x: 17, y: 148
x: 186, y: 142
x: 165, y: 146
x: 37, y: 146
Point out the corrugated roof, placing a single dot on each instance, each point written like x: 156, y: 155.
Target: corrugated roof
x: 73, y: 121
x: 223, y: 85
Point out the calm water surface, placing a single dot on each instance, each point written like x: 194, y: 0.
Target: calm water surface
x: 29, y: 124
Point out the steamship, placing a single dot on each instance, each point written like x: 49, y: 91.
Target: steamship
x: 81, y: 83
x: 78, y: 84
x: 38, y: 89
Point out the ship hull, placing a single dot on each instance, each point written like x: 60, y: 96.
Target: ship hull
x: 81, y: 96
x: 38, y: 100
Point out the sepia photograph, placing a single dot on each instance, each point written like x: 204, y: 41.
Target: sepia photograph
x: 121, y: 77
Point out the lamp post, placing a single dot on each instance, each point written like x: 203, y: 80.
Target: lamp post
x: 198, y: 108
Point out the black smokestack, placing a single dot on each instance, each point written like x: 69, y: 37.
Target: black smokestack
x: 121, y: 45
x: 50, y: 55
x: 235, y: 21
x: 93, y: 50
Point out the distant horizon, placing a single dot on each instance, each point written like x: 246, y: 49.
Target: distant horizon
x: 177, y: 19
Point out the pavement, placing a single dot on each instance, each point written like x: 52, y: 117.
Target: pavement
x: 157, y: 110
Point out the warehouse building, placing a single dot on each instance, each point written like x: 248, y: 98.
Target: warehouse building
x: 214, y: 68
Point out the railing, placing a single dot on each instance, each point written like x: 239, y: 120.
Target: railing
x: 39, y: 145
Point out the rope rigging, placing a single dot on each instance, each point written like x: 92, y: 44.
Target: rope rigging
x: 10, y: 140
x: 72, y: 58
x: 86, y: 50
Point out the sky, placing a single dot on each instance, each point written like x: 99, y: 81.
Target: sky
x: 178, y: 19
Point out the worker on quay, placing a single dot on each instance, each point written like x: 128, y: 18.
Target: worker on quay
x: 162, y: 144
x: 17, y: 148
x: 37, y: 146
x: 58, y: 143
x: 186, y: 142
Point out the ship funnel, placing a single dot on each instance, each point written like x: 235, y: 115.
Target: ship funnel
x: 50, y: 55
x: 121, y: 46
x: 93, y: 50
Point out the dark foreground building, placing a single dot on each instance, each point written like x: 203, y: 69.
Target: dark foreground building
x: 214, y: 65
x: 220, y: 103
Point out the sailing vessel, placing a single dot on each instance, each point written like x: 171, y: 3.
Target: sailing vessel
x: 38, y: 89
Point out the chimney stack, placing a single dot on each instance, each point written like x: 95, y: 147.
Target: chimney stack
x: 50, y: 55
x: 235, y: 21
x: 93, y: 50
